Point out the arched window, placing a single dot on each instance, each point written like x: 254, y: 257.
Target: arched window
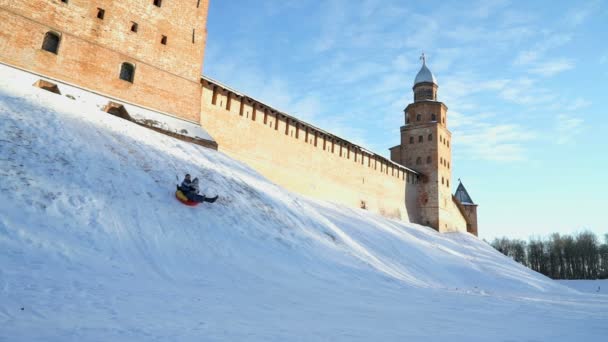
x: 407, y: 119
x: 420, y: 138
x: 418, y: 161
x: 411, y: 140
x: 433, y: 117
x: 428, y: 159
x: 447, y: 182
x: 51, y: 42
x: 418, y: 117
x: 127, y: 72
x: 430, y: 137
x: 442, y: 181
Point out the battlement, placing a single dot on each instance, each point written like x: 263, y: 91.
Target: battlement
x: 301, y: 156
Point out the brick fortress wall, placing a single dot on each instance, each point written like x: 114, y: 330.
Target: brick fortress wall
x: 305, y: 159
x: 92, y: 50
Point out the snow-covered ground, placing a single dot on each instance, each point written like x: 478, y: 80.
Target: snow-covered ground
x: 94, y: 247
x: 599, y: 287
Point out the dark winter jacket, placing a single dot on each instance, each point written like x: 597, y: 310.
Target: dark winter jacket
x: 186, y: 186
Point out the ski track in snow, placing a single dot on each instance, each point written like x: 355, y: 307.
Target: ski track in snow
x: 96, y: 248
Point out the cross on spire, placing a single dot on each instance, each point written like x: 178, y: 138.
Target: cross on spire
x: 423, y: 58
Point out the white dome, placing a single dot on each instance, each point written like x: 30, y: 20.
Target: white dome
x: 425, y: 75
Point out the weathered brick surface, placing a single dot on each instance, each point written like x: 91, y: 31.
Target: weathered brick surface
x: 425, y: 147
x: 92, y: 50
x: 284, y: 151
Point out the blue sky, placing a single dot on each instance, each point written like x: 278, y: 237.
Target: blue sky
x: 525, y: 85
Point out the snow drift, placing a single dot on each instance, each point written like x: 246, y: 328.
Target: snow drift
x: 94, y: 246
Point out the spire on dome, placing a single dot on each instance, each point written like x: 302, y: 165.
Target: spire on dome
x: 424, y: 75
x: 462, y: 195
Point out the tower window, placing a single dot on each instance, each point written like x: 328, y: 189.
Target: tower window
x: 51, y: 42
x: 134, y: 26
x: 418, y: 161
x: 442, y: 181
x: 101, y: 13
x: 411, y: 140
x: 430, y: 137
x: 127, y: 72
x: 163, y: 40
x: 64, y: 1
x: 448, y: 143
x: 407, y: 119
x: 428, y: 159
x: 418, y: 117
x: 420, y: 138
x: 158, y: 3
x: 447, y: 182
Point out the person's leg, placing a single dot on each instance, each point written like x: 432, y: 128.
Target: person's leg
x: 196, y: 197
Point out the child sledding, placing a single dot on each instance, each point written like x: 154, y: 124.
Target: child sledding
x: 188, y: 192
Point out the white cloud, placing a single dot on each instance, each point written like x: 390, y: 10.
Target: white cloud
x: 551, y: 68
x: 486, y: 8
x: 568, y: 127
x: 579, y: 15
x: 549, y: 41
x: 424, y: 31
x: 334, y: 19
x: 570, y: 105
x: 525, y: 91
x: 492, y: 142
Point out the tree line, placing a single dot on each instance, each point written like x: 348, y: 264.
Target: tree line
x: 579, y: 256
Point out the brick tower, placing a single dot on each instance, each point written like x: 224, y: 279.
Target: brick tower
x: 425, y: 147
x: 146, y: 52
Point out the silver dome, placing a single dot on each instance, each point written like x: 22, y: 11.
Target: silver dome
x: 425, y: 75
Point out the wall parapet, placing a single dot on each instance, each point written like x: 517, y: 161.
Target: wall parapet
x: 258, y: 111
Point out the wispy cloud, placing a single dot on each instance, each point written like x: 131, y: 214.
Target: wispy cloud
x: 569, y: 105
x: 567, y: 128
x: 491, y: 142
x: 550, y: 40
x: 581, y: 13
x: 553, y: 67
x: 486, y: 8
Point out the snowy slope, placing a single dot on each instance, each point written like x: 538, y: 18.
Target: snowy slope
x: 96, y: 248
x: 598, y: 287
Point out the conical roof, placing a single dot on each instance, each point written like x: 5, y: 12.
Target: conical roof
x: 425, y: 75
x: 462, y: 195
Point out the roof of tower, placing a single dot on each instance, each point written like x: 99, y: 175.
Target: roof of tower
x: 462, y: 195
x: 424, y: 75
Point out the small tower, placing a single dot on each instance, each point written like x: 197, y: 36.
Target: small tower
x: 470, y: 208
x: 425, y: 147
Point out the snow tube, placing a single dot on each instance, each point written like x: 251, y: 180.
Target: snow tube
x: 182, y: 198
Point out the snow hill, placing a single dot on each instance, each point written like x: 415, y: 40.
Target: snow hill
x: 94, y: 247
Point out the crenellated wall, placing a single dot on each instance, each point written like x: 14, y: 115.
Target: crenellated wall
x: 304, y: 158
